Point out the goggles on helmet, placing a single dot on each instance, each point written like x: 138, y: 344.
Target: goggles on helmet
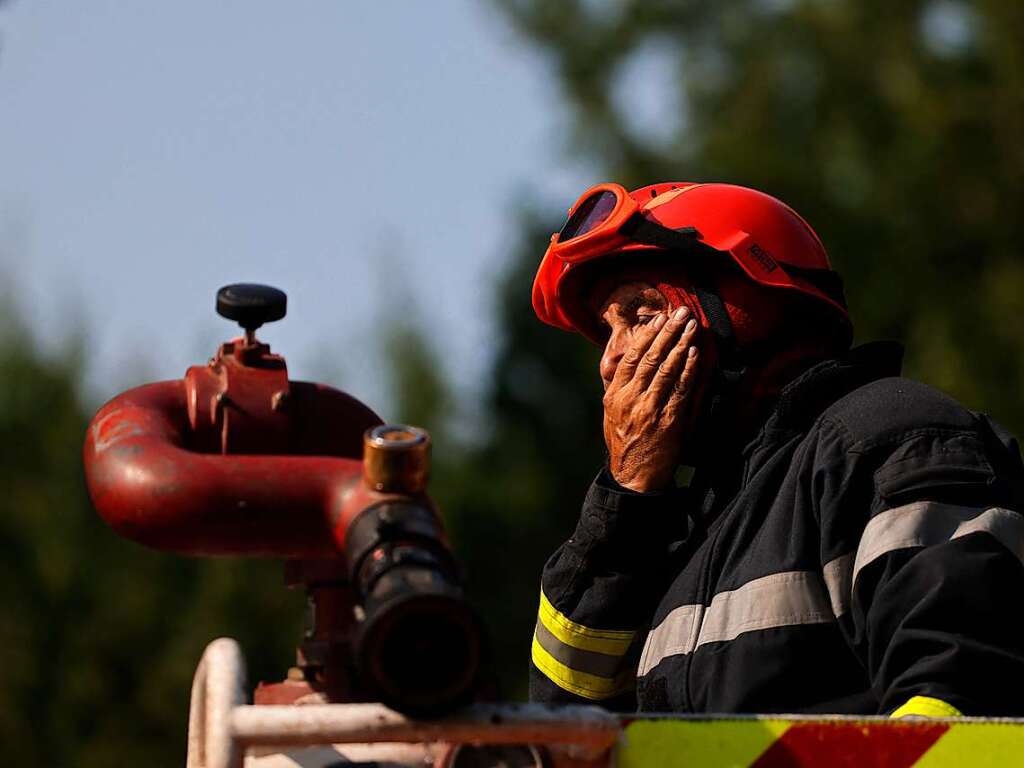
x: 606, y: 218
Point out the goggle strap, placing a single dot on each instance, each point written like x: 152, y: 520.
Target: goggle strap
x: 728, y: 372
x: 640, y: 229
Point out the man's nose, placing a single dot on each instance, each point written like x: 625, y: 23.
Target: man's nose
x: 611, y: 356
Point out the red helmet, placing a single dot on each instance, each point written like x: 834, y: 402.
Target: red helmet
x: 772, y: 244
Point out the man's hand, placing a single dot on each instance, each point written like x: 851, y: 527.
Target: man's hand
x: 646, y: 406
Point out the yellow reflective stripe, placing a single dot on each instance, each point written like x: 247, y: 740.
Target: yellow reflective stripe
x: 926, y: 706
x: 581, y: 683
x: 559, y: 641
x: 592, y: 663
x: 608, y: 641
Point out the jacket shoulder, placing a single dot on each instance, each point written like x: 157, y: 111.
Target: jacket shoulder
x: 894, y: 407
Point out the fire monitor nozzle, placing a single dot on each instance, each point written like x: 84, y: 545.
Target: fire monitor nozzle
x: 237, y: 459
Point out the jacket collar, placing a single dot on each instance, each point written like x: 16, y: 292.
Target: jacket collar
x: 807, y: 396
x: 799, y: 404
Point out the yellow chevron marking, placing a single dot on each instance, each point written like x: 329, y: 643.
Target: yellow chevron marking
x: 685, y: 744
x: 976, y: 745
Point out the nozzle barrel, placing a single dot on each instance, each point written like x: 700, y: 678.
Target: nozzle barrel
x: 418, y: 641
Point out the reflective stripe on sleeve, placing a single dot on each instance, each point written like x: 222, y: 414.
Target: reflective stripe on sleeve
x: 926, y: 706
x: 585, y: 661
x: 591, y: 662
x: 611, y: 642
x: 575, y: 681
x: 787, y: 599
x: 920, y: 524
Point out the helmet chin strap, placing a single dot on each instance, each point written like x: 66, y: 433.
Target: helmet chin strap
x: 728, y: 372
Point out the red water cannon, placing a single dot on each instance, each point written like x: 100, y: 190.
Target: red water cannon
x: 236, y: 459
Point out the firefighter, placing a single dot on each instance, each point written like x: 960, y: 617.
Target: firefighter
x: 783, y: 523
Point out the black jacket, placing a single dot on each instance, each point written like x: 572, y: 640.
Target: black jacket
x: 864, y: 549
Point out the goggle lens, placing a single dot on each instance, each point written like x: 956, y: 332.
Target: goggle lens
x: 590, y: 214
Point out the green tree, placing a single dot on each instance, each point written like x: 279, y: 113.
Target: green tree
x: 100, y: 636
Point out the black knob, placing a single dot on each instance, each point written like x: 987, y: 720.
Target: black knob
x: 251, y: 305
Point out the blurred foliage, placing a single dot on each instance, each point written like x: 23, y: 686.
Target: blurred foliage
x: 100, y: 637
x: 895, y: 128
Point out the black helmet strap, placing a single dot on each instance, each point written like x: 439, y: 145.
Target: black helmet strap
x: 728, y: 372
x: 640, y: 229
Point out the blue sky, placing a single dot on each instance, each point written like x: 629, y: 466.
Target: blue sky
x: 349, y: 153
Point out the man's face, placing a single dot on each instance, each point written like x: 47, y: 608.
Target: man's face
x: 628, y: 308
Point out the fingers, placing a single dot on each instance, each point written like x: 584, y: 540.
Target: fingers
x: 659, y: 348
x: 649, y: 349
x: 660, y: 361
x: 631, y: 360
x: 668, y: 374
x: 647, y: 403
x: 684, y: 385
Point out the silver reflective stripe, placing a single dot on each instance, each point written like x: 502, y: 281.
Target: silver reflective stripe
x: 921, y: 524
x: 591, y: 662
x: 838, y: 575
x: 780, y: 600
x: 676, y: 634
x: 927, y: 523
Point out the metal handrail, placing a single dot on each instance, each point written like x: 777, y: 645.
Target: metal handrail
x: 222, y: 727
x: 218, y: 689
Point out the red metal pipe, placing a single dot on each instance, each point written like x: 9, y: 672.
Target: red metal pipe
x: 149, y: 485
x: 236, y: 459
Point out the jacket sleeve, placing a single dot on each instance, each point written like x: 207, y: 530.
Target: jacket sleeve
x: 927, y: 582
x: 598, y: 592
